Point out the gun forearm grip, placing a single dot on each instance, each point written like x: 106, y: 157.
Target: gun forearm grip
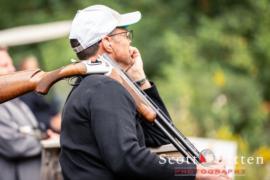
x: 17, y: 83
x: 21, y: 82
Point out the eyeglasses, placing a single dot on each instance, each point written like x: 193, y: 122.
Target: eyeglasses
x: 129, y: 34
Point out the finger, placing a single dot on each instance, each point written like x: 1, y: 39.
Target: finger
x: 131, y: 63
x: 132, y: 50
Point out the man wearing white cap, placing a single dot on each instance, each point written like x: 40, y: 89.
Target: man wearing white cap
x: 102, y: 136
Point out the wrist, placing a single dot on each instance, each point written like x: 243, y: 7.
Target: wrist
x: 135, y: 73
x: 136, y: 76
x: 141, y: 82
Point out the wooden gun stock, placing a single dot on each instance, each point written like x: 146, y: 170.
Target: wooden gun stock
x: 141, y: 105
x: 21, y: 82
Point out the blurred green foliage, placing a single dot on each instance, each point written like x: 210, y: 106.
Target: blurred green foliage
x: 209, y: 58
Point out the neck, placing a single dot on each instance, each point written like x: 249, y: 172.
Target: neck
x: 95, y: 57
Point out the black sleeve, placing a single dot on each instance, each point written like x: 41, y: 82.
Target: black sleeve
x: 114, y: 126
x: 153, y: 136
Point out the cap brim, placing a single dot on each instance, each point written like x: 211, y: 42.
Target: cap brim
x: 129, y: 18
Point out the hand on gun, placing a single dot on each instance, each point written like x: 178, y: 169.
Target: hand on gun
x: 135, y: 71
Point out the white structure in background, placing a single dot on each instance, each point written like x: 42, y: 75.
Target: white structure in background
x: 34, y: 33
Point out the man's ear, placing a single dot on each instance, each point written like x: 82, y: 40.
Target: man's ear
x: 106, y: 44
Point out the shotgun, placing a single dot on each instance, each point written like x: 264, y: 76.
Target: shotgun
x: 19, y: 83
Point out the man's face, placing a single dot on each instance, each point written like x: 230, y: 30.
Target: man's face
x: 120, y: 44
x: 6, y: 65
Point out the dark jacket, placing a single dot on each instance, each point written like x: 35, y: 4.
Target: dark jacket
x: 104, y: 138
x: 42, y: 110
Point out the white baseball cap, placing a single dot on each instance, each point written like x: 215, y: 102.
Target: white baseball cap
x: 93, y: 23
